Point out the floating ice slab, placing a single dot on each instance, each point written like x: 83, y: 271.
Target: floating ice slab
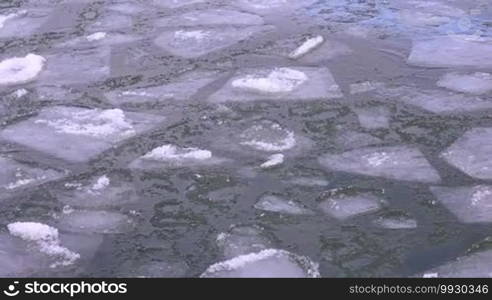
x: 475, y: 265
x: 397, y: 162
x: 100, y: 192
x: 364, y: 87
x: 96, y: 221
x: 352, y: 139
x: 471, y: 153
x: 268, y: 136
x: 343, y: 207
x: 19, y: 70
x: 181, y: 89
x: 14, y: 176
x: 241, y: 240
x: 272, y: 161
x: 21, y: 23
x: 176, y: 3
x: 281, y: 84
x: 193, y: 43
x: 83, y: 66
x: 78, y: 134
x: 111, y: 22
x: 452, y: 51
x: 174, y: 156
x: 400, y: 221
x: 271, y: 6
x: 474, y: 83
x: 471, y: 204
x: 373, y: 117
x: 46, y: 239
x: 267, y: 263
x: 211, y: 17
x: 277, y: 204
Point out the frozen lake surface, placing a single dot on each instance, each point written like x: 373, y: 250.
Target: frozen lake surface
x: 239, y: 138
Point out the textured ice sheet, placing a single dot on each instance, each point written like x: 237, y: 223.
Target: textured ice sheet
x: 272, y: 203
x: 182, y: 88
x: 263, y: 264
x: 471, y: 153
x: 196, y: 42
x: 396, y: 162
x: 78, y: 134
x: 280, y: 84
x: 474, y: 83
x: 471, y: 204
x: 211, y: 17
x: 452, y: 51
x: 346, y: 206
x: 15, y: 176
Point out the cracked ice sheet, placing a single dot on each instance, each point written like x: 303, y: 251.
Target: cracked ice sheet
x: 78, y: 134
x: 193, y: 43
x: 471, y: 153
x: 470, y: 204
x: 182, y: 89
x: 395, y: 162
x: 281, y: 84
x: 452, y: 51
x: 15, y: 176
x: 210, y: 17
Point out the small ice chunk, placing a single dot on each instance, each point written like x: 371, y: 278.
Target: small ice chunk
x: 21, y: 93
x: 241, y: 240
x: 364, y: 87
x: 268, y: 136
x: 96, y: 36
x: 46, y: 238
x: 282, y: 84
x: 373, y: 117
x: 277, y: 204
x: 310, y: 181
x: 345, y: 206
x: 307, y: 46
x: 96, y: 221
x: 19, y: 70
x: 396, y: 222
x: 101, y: 183
x: 470, y: 204
x: 452, y: 51
x: 474, y: 265
x: 471, y: 153
x: 474, y: 83
x: 266, y: 263
x: 78, y: 134
x: 273, y: 160
x: 397, y: 162
x: 210, y: 17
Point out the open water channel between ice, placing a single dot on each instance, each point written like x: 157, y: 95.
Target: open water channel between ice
x: 245, y: 138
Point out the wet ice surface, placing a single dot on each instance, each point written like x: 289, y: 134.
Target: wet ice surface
x: 169, y: 138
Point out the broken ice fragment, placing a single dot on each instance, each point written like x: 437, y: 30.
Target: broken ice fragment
x: 471, y: 153
x: 282, y: 84
x: 277, y: 204
x: 273, y: 160
x: 241, y: 240
x: 78, y: 134
x: 470, y: 204
x: 307, y: 46
x: 96, y: 221
x: 373, y: 117
x: 268, y: 136
x: 267, y: 263
x: 96, y: 36
x: 345, y: 206
x: 19, y: 70
x: 474, y: 83
x: 397, y: 162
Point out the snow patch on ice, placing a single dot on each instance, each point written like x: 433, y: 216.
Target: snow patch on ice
x: 273, y: 160
x: 18, y: 70
x: 280, y: 80
x: 96, y: 36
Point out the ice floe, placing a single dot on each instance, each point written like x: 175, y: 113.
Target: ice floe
x: 474, y: 83
x: 46, y: 239
x: 471, y: 204
x: 78, y: 134
x: 183, y: 88
x: 396, y: 221
x: 452, y: 51
x: 266, y: 263
x: 350, y: 139
x: 241, y: 240
x: 471, y: 153
x: 96, y: 221
x: 394, y: 162
x: 268, y: 136
x: 273, y: 160
x: 281, y: 84
x: 272, y: 203
x: 373, y: 117
x: 344, y: 206
x: 210, y: 17
x: 474, y: 265
x: 364, y: 87
x: 19, y: 70
x: 22, y: 23
x: 176, y: 3
x: 194, y: 42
